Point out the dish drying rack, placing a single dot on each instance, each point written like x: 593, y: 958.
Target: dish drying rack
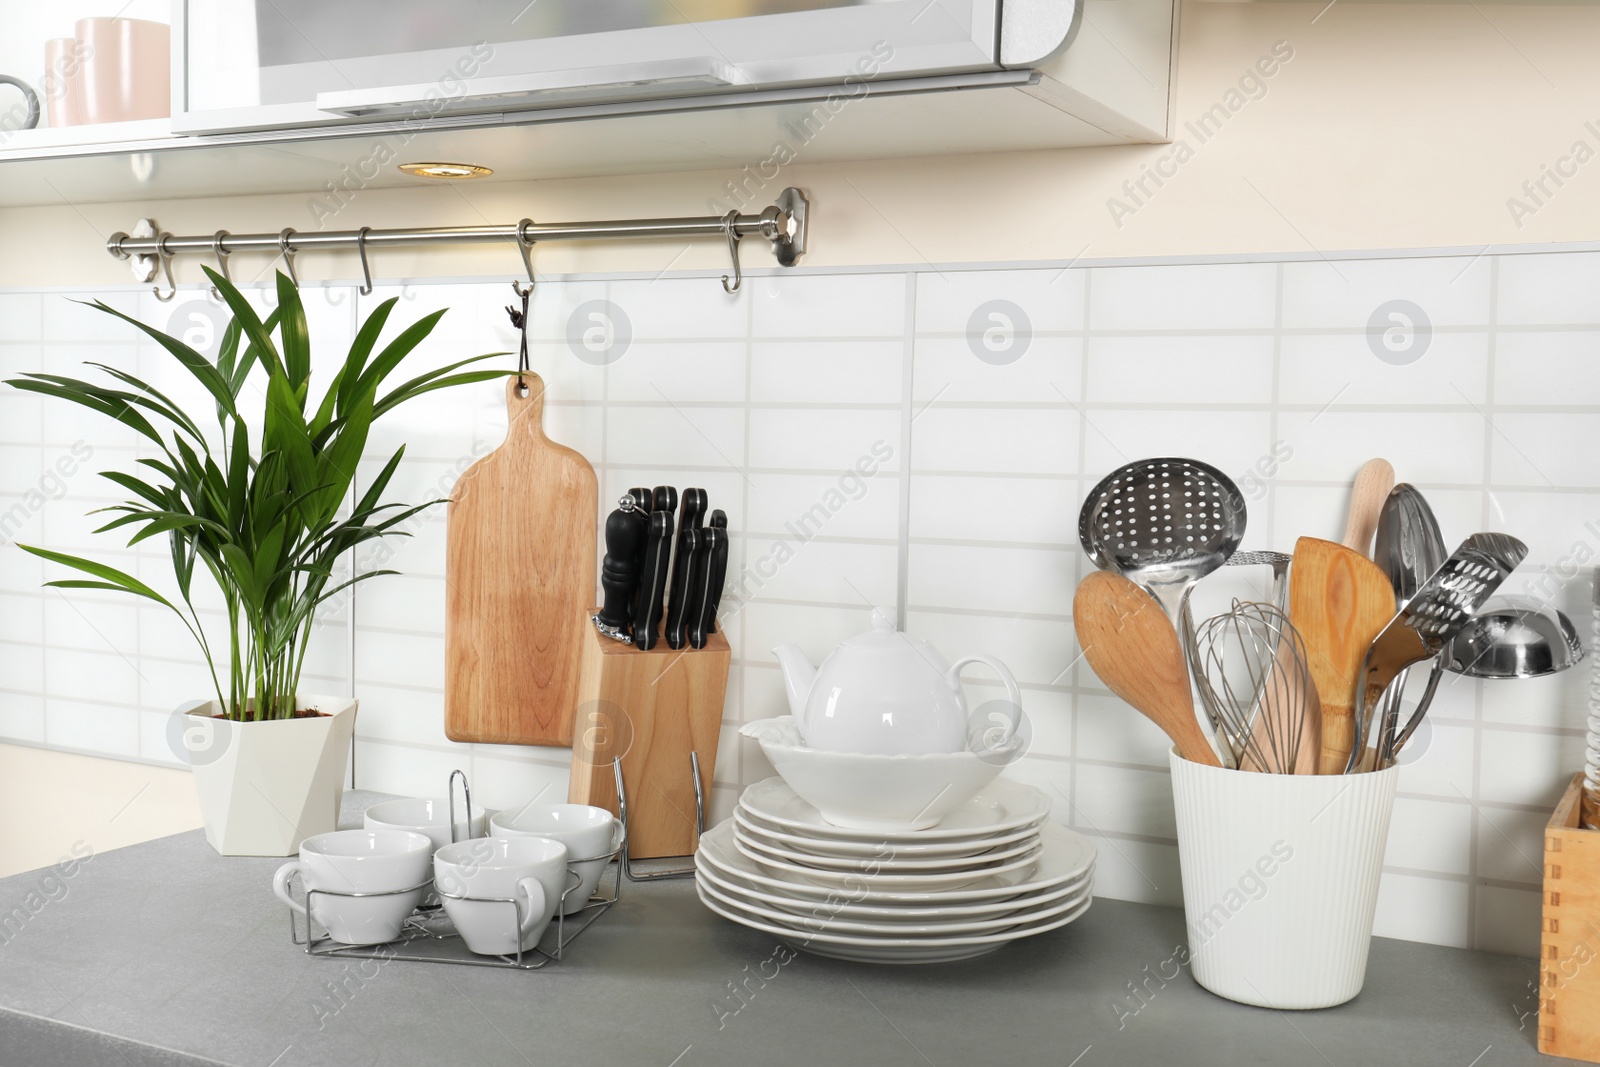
x: 429, y: 936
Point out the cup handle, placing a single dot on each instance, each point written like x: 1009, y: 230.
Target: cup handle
x: 534, y: 891
x: 1013, y: 693
x: 280, y: 885
x: 619, y: 836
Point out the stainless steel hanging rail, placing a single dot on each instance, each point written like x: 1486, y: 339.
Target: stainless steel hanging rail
x: 784, y: 224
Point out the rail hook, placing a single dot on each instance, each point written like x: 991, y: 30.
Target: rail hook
x: 525, y: 246
x: 222, y: 262
x: 361, y: 250
x: 734, y: 237
x: 165, y: 256
x: 288, y: 253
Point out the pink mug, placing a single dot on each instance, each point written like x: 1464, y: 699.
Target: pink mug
x: 62, y: 87
x: 127, y: 73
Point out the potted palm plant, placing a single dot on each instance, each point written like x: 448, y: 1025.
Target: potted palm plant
x: 262, y: 501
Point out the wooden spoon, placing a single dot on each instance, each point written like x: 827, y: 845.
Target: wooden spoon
x: 1130, y: 643
x: 1339, y: 600
x: 1371, y: 488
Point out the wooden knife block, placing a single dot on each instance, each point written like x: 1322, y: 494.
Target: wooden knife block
x: 1569, y: 950
x: 652, y: 709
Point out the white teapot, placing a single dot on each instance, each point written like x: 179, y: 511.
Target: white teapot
x: 886, y: 693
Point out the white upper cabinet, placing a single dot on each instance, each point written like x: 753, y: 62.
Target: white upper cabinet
x: 295, y: 63
x: 553, y: 88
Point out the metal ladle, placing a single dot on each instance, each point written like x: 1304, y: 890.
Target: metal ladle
x: 1514, y: 637
x: 1165, y: 524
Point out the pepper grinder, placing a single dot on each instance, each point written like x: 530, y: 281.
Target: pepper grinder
x: 619, y: 571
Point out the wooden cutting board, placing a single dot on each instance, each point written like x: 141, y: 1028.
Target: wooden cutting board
x: 519, y: 574
x: 1339, y: 600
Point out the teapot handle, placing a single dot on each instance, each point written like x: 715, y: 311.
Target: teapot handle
x: 1013, y: 694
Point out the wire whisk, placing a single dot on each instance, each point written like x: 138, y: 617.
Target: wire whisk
x: 1249, y: 665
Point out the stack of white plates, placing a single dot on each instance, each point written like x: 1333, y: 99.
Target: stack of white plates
x: 991, y: 872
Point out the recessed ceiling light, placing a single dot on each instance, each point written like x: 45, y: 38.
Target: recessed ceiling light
x: 446, y: 170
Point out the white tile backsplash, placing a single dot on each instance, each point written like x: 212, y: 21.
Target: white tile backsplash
x: 1340, y: 368
x: 843, y: 372
x: 1557, y: 288
x: 680, y: 371
x: 1168, y: 369
x: 1547, y: 367
x: 953, y: 302
x: 950, y: 369
x: 1016, y: 390
x: 1548, y: 450
x: 996, y: 440
x: 1204, y: 296
x: 1451, y: 291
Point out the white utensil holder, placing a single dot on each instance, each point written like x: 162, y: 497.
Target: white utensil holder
x: 1280, y: 880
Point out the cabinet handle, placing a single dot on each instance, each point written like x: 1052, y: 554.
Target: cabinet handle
x: 548, y: 87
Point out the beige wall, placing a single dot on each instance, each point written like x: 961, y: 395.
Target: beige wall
x: 54, y: 800
x: 1393, y: 125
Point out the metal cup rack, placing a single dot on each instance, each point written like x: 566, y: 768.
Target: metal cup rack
x: 428, y: 935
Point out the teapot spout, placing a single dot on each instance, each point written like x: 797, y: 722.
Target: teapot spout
x: 798, y: 674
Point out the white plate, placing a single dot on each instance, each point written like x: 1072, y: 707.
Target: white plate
x: 888, y: 861
x: 744, y: 888
x: 1065, y: 856
x: 1000, y: 807
x: 894, y: 950
x: 828, y: 924
x: 1015, y: 870
x: 824, y: 918
x: 816, y: 846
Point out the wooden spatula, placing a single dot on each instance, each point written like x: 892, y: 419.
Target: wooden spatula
x: 1371, y: 488
x: 1131, y: 645
x: 1339, y: 600
x: 519, y: 583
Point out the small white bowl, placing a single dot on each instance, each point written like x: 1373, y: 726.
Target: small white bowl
x: 872, y: 792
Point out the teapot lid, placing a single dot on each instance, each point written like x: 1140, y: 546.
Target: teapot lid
x: 883, y: 637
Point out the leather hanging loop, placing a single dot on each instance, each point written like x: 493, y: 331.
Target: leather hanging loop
x: 519, y: 319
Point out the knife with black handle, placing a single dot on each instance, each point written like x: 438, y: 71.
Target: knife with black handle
x: 719, y: 560
x: 708, y: 571
x: 665, y: 498
x: 653, y: 580
x: 626, y: 530
x: 690, y: 518
x: 642, y: 499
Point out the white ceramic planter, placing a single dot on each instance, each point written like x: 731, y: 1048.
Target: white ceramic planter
x: 267, y: 786
x: 1280, y: 880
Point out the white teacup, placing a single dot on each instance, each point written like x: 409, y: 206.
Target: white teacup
x: 359, y: 861
x: 532, y: 871
x: 591, y: 834
x: 429, y: 817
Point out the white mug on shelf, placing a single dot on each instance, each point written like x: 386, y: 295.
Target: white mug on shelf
x: 501, y: 893
x: 591, y: 835
x: 390, y: 863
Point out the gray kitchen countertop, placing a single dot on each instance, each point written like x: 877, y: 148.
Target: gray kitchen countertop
x: 167, y: 954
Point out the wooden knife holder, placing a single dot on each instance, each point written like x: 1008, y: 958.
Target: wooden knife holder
x: 1569, y: 950
x: 651, y: 709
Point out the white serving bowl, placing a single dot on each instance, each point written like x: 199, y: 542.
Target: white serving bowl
x: 873, y: 792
